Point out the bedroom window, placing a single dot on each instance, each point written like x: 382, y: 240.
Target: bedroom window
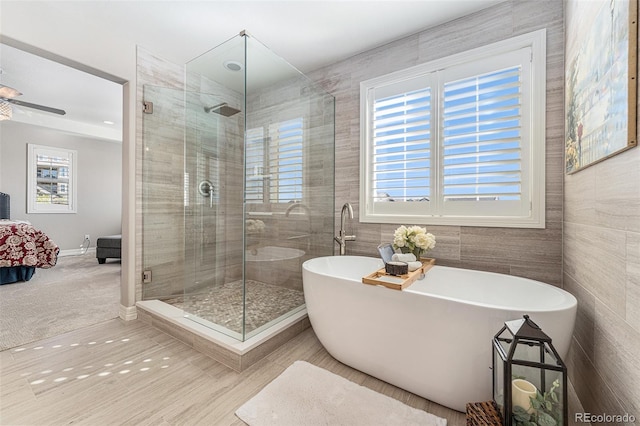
x: 458, y: 141
x: 51, y: 180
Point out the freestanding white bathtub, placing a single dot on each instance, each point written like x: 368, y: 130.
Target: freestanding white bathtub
x: 433, y: 338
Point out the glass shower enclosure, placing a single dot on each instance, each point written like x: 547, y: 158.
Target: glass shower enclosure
x: 245, y: 197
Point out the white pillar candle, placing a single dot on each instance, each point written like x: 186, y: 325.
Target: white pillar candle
x: 521, y: 391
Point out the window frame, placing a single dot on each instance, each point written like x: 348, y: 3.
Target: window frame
x: 533, y: 166
x: 32, y: 179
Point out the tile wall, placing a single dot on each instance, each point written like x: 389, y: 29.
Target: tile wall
x: 602, y: 269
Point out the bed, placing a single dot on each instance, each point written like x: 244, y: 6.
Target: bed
x: 23, y: 248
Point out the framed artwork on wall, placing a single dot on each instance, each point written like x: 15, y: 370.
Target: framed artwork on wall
x: 600, y: 74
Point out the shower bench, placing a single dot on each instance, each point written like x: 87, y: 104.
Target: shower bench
x: 108, y: 247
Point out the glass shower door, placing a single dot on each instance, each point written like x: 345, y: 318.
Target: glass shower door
x: 163, y: 260
x: 259, y: 135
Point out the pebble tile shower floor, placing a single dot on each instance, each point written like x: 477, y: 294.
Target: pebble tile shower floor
x: 222, y: 304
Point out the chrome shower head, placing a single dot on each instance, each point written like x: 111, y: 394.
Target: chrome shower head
x: 222, y: 109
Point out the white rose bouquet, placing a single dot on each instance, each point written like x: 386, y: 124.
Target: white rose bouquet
x: 254, y: 226
x: 413, y: 239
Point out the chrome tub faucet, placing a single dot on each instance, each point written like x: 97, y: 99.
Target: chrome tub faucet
x: 342, y: 237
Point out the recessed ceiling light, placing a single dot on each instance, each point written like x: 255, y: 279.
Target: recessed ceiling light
x: 108, y: 122
x: 233, y: 65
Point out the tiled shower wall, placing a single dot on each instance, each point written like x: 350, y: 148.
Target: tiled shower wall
x: 533, y: 253
x: 213, y: 231
x: 308, y: 225
x: 602, y: 269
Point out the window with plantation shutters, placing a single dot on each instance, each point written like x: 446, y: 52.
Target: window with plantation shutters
x: 459, y: 140
x: 274, y: 162
x: 401, y: 146
x: 482, y: 136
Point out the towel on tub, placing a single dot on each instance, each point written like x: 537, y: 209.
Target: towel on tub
x: 404, y: 257
x: 414, y: 265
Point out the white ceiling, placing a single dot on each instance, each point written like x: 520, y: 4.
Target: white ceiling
x: 308, y: 34
x: 88, y: 101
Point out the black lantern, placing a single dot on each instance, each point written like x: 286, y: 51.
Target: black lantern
x: 529, y: 378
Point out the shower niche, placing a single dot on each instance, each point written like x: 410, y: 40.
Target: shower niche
x: 232, y: 211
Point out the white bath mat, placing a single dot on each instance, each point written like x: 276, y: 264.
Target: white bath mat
x: 308, y: 395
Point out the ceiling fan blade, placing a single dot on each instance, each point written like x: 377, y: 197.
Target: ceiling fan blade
x: 8, y: 92
x: 36, y: 106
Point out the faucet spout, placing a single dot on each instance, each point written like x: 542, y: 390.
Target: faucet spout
x: 342, y: 237
x: 296, y: 204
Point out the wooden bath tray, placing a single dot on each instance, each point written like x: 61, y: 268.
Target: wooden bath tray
x: 398, y: 282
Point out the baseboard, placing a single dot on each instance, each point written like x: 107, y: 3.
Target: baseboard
x: 128, y: 313
x: 76, y: 252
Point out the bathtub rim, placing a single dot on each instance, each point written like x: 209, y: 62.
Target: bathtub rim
x: 569, y: 300
x: 293, y: 254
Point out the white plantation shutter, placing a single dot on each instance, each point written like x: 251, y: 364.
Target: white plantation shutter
x: 401, y: 139
x: 485, y: 138
x: 274, y: 164
x: 255, y: 165
x: 482, y: 137
x: 457, y: 139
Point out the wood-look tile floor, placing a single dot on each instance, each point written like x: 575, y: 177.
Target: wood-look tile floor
x: 129, y: 373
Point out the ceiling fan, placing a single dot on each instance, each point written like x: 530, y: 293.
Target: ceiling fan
x: 7, y: 95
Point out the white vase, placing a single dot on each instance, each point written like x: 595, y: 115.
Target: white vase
x: 521, y: 391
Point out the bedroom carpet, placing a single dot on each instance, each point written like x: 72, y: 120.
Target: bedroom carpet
x: 75, y: 293
x: 308, y: 395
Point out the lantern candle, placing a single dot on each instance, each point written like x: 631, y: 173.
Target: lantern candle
x: 526, y: 366
x: 521, y: 391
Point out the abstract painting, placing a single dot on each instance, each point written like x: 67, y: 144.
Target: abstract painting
x: 601, y: 70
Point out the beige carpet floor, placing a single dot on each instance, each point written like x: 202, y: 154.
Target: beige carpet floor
x: 75, y: 293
